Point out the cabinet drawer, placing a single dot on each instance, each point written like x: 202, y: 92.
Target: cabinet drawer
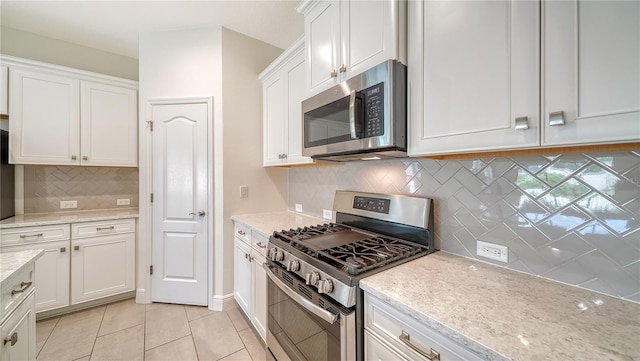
x: 243, y: 232
x: 17, y: 288
x: 92, y: 229
x: 259, y: 242
x: 21, y: 235
x: 389, y: 324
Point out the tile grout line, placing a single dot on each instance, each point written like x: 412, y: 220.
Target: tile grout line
x: 191, y: 333
x: 47, y: 340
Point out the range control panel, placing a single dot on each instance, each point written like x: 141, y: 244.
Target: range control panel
x: 378, y: 205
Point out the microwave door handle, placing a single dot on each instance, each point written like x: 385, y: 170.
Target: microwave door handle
x: 352, y: 114
x: 308, y: 305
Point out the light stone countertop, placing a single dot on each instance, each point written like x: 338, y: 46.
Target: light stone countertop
x: 42, y: 219
x: 267, y: 223
x: 13, y: 262
x: 505, y: 314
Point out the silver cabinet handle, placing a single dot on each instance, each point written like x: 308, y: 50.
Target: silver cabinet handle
x: 352, y: 114
x: 31, y: 235
x: 241, y: 233
x: 84, y: 157
x: 200, y: 213
x: 259, y: 244
x: 406, y: 339
x: 343, y: 68
x: 73, y: 157
x: 556, y: 118
x: 23, y: 287
x: 76, y: 248
x: 63, y: 249
x: 334, y: 73
x: 522, y: 123
x: 104, y: 228
x: 13, y: 339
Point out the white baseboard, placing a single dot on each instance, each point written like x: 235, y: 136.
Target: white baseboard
x: 223, y: 303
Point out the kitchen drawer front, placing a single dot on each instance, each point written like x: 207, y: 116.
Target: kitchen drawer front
x: 259, y: 242
x: 243, y: 232
x: 102, y: 228
x: 22, y: 235
x: 388, y: 324
x: 17, y: 288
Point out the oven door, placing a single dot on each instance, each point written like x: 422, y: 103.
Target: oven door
x: 304, y: 325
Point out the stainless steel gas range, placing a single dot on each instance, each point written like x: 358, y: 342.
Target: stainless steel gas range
x: 315, y: 307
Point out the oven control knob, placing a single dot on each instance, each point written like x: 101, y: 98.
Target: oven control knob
x: 293, y: 265
x: 278, y: 256
x: 325, y: 286
x: 312, y: 278
x: 271, y: 253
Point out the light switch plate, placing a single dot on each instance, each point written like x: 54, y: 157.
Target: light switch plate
x: 327, y: 214
x: 298, y: 207
x: 123, y: 202
x: 244, y: 191
x: 68, y: 204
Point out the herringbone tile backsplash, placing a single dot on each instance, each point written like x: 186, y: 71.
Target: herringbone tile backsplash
x: 92, y: 187
x: 571, y: 218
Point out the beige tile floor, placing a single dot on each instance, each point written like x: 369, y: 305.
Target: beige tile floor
x: 129, y: 331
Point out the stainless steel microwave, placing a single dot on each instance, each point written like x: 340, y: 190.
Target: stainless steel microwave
x: 364, y: 117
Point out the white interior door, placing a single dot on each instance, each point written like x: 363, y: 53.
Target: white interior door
x: 180, y: 188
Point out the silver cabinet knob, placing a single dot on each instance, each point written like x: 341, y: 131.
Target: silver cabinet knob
x: 84, y: 157
x: 343, y: 68
x: 12, y: 339
x: 333, y: 73
x: 63, y: 249
x: 73, y: 157
x: 76, y: 248
x: 200, y: 213
x: 522, y: 123
x: 556, y: 118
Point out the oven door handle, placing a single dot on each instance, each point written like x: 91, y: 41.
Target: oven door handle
x: 316, y: 310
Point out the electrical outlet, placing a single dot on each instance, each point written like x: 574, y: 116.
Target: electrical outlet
x: 327, y: 214
x: 492, y: 251
x: 123, y: 202
x: 68, y: 204
x: 298, y: 207
x: 244, y: 191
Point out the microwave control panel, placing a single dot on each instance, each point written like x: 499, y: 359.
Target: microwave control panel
x: 374, y: 110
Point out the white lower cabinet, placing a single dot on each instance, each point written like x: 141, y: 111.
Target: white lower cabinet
x: 81, y: 261
x: 393, y: 335
x: 18, y: 317
x: 250, y: 279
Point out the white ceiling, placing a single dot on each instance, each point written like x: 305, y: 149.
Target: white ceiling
x: 114, y: 26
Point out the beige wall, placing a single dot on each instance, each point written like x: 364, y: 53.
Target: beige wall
x: 35, y: 47
x: 243, y: 58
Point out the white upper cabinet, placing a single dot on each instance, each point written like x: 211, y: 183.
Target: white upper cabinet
x: 473, y: 76
x: 591, y: 72
x: 109, y: 130
x: 475, y: 79
x: 66, y: 117
x: 283, y: 92
x: 4, y: 90
x: 45, y: 118
x: 344, y: 38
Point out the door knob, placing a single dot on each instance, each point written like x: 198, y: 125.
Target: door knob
x: 200, y: 213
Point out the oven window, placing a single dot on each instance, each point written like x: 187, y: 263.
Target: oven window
x: 301, y: 334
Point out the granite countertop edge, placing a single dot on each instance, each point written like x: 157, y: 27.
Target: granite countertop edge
x: 53, y: 218
x: 14, y: 262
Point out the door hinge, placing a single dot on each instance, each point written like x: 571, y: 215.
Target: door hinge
x: 150, y: 125
x: 151, y: 197
x: 151, y: 269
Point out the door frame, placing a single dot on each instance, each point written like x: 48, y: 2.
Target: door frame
x: 145, y: 220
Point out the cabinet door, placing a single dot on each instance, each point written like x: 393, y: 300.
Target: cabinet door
x: 322, y: 41
x: 109, y: 127
x: 101, y: 266
x: 51, y: 272
x: 473, y: 69
x: 45, y: 119
x: 275, y: 123
x: 259, y: 296
x: 4, y: 89
x: 22, y: 326
x: 242, y: 274
x: 591, y: 72
x: 370, y: 33
x: 377, y: 350
x: 296, y: 91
